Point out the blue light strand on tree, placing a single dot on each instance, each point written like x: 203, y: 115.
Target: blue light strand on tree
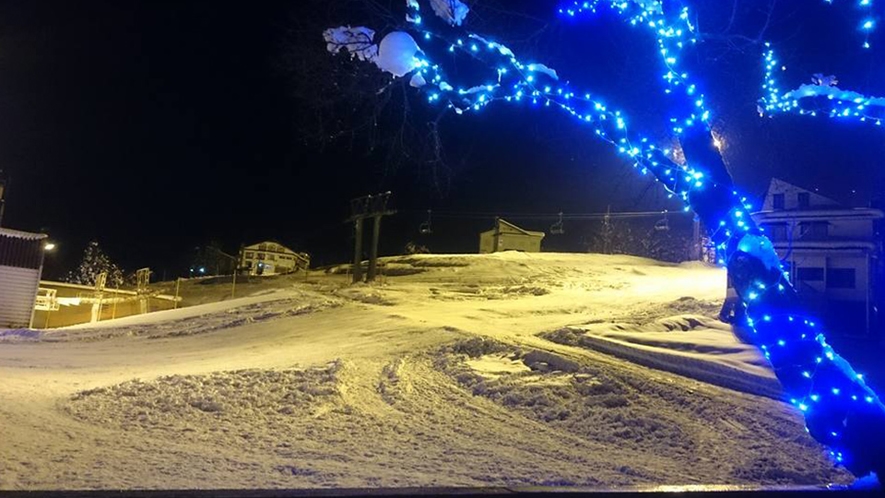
x: 867, y: 23
x: 821, y: 99
x: 841, y: 411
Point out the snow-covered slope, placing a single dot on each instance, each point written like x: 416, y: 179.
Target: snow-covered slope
x: 505, y: 369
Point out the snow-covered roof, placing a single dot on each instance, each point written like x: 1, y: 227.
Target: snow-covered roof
x: 826, y: 245
x: 502, y: 221
x: 819, y: 214
x: 17, y: 234
x: 255, y: 246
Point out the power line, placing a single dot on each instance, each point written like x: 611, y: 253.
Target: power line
x: 547, y: 216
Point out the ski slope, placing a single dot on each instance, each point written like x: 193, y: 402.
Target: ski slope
x: 508, y: 369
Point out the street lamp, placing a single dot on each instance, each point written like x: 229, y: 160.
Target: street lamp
x: 49, y: 246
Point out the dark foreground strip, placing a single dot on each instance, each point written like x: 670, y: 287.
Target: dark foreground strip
x: 661, y: 491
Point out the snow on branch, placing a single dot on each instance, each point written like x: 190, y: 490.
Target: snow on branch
x: 358, y: 41
x: 397, y: 53
x: 451, y: 11
x: 821, y: 97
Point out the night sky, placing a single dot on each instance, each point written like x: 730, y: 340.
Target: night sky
x: 155, y: 127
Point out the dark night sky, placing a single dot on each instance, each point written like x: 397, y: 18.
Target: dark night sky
x: 154, y: 127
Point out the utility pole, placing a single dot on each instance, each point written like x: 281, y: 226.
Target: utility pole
x: 177, y: 287
x: 358, y: 249
x: 373, y: 254
x: 236, y: 263
x: 370, y: 206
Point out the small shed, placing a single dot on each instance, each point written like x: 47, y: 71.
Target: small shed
x: 508, y: 237
x: 21, y: 261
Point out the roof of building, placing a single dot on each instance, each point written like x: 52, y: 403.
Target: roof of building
x: 826, y: 245
x: 254, y: 247
x: 500, y: 221
x: 17, y: 234
x: 820, y: 207
x: 828, y: 213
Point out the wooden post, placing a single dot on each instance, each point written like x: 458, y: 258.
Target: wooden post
x: 116, y: 298
x: 373, y: 254
x: 233, y: 286
x: 177, y: 284
x: 358, y: 250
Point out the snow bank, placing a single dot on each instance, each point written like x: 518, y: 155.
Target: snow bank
x: 195, y: 320
x: 659, y: 421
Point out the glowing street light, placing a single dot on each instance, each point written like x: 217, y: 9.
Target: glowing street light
x: 49, y: 246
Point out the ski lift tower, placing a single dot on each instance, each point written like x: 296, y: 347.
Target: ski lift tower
x: 370, y: 206
x: 142, y: 281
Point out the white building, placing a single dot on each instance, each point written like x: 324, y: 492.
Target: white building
x: 831, y: 252
x: 21, y: 262
x: 271, y: 258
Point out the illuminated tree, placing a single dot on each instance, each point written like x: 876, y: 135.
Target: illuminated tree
x: 840, y: 410
x: 94, y: 263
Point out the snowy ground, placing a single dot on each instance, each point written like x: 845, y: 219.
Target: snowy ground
x: 507, y: 369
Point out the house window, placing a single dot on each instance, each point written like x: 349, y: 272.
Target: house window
x: 778, y: 201
x: 814, y: 230
x: 808, y: 274
x: 804, y: 200
x: 250, y: 255
x: 261, y: 255
x: 777, y: 233
x: 840, y: 278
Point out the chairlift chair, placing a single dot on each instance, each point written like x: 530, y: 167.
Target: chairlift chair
x: 425, y: 228
x: 662, y: 225
x: 557, y: 228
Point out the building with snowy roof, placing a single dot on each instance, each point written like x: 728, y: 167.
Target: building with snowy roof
x: 271, y: 258
x: 21, y: 262
x: 506, y: 236
x: 832, y: 252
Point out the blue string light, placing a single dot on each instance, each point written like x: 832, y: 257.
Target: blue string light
x: 840, y: 410
x: 820, y: 99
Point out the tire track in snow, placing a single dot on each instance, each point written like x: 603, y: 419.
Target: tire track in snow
x: 686, y: 366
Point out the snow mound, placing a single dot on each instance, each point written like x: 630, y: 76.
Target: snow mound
x: 219, y: 403
x: 693, y: 346
x: 661, y: 421
x: 153, y: 326
x: 366, y: 295
x: 495, y: 365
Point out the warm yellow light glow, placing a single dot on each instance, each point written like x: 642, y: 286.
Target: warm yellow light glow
x: 49, y: 246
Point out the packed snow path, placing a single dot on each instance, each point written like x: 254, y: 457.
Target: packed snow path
x: 460, y: 371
